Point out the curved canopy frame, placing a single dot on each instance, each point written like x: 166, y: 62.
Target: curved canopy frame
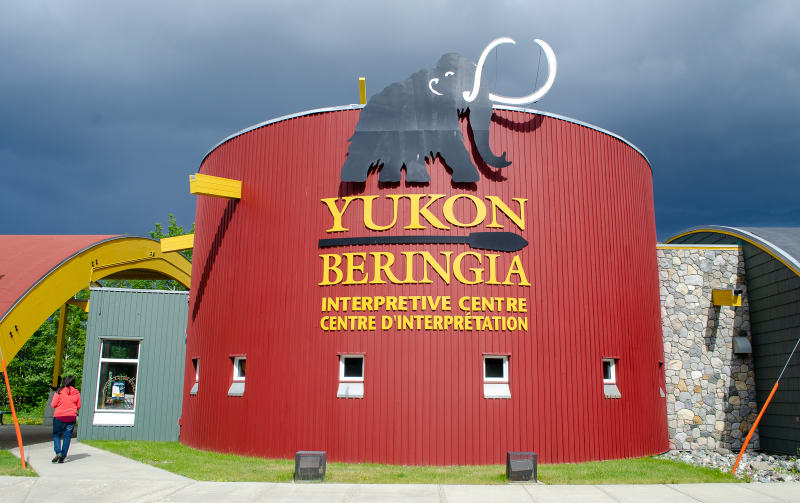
x: 118, y: 257
x: 783, y: 256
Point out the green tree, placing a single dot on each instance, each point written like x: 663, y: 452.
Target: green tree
x: 173, y: 229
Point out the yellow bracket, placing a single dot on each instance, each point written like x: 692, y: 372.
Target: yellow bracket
x: 177, y: 243
x: 83, y: 305
x: 362, y: 90
x: 725, y: 298
x: 207, y: 185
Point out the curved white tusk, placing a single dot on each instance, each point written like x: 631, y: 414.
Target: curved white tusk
x: 536, y: 95
x: 476, y: 86
x: 430, y: 86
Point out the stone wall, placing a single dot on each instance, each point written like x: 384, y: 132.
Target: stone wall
x: 711, y: 400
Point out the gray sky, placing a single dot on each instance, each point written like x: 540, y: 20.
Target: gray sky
x: 106, y: 107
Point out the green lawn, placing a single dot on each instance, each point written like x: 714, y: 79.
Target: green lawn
x: 204, y: 465
x: 10, y: 465
x: 631, y: 471
x: 33, y: 415
x: 27, y: 417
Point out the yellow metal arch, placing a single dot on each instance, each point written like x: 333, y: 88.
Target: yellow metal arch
x: 119, y: 258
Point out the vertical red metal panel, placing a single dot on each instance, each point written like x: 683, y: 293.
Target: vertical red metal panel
x: 594, y: 293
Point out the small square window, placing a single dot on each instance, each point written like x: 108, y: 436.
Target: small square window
x: 351, y: 368
x: 237, y: 384
x: 239, y: 367
x: 495, y: 377
x: 610, y: 389
x: 609, y: 376
x: 495, y: 367
x: 351, y: 376
x: 196, y: 367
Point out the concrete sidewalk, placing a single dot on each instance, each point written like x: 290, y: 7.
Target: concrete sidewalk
x: 88, y: 463
x: 94, y: 475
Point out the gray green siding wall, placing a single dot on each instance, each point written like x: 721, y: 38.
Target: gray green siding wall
x: 774, y: 294
x: 158, y: 319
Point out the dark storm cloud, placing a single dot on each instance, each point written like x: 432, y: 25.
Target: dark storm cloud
x: 105, y: 107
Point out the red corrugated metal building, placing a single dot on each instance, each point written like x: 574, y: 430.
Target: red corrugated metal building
x: 263, y: 290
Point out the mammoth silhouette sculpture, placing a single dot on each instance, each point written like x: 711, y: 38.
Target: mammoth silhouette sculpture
x: 420, y: 116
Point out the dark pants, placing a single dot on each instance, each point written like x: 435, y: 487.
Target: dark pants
x: 62, y: 434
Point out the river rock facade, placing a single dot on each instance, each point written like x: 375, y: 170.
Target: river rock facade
x: 711, y: 397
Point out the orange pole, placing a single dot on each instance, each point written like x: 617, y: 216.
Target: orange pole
x: 13, y: 412
x: 753, y: 428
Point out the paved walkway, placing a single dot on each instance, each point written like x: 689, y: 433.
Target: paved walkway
x: 94, y: 475
x: 31, y: 434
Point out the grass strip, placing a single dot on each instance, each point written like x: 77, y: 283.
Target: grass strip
x: 631, y: 471
x: 10, y: 465
x: 214, y: 466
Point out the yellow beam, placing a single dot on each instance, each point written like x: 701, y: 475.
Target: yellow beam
x: 697, y: 247
x: 59, y: 358
x: 81, y: 304
x: 362, y: 90
x: 207, y: 185
x: 725, y: 298
x: 177, y: 243
x: 110, y: 257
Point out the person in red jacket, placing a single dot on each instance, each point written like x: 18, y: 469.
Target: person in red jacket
x: 66, y: 402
